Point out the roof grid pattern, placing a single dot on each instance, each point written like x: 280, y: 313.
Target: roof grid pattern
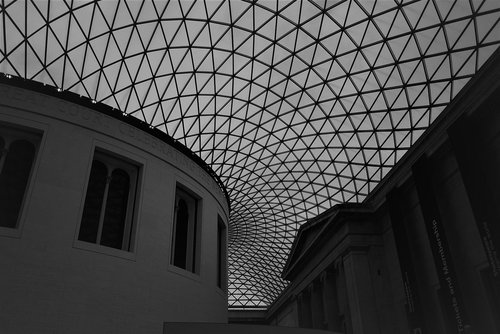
x: 297, y: 105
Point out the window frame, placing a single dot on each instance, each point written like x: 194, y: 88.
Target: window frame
x: 221, y: 245
x: 195, y: 258
x: 33, y: 133
x: 131, y: 164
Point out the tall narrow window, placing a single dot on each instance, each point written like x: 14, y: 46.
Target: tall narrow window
x: 184, y: 243
x: 221, y: 254
x: 17, y: 155
x: 109, y: 203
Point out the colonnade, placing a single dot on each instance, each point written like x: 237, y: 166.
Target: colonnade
x: 341, y: 297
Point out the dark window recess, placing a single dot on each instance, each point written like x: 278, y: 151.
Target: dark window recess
x: 109, y: 203
x: 93, y: 202
x: 221, y: 254
x: 181, y: 234
x: 17, y: 155
x: 184, y: 244
x: 116, y: 209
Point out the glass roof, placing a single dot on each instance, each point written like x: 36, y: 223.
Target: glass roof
x: 297, y: 105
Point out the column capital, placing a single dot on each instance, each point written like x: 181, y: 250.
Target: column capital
x: 355, y: 250
x: 326, y: 274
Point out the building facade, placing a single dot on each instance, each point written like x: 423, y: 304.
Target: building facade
x: 105, y: 226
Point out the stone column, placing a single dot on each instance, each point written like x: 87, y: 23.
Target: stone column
x: 330, y: 300
x: 304, y: 304
x: 318, y: 316
x: 360, y: 294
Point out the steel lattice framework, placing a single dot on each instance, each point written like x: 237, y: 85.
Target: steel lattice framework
x: 296, y: 105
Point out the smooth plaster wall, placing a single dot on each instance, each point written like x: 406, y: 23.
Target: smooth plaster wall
x: 51, y: 283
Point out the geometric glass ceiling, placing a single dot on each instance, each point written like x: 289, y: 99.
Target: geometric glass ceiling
x: 296, y: 105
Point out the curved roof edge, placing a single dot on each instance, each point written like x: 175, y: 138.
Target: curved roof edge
x: 117, y: 114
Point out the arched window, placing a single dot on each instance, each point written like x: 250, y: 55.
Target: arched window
x: 17, y: 155
x: 109, y: 203
x: 185, y: 246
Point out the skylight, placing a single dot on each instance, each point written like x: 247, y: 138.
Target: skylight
x: 296, y: 105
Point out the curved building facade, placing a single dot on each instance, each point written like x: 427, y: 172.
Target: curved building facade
x: 105, y: 227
